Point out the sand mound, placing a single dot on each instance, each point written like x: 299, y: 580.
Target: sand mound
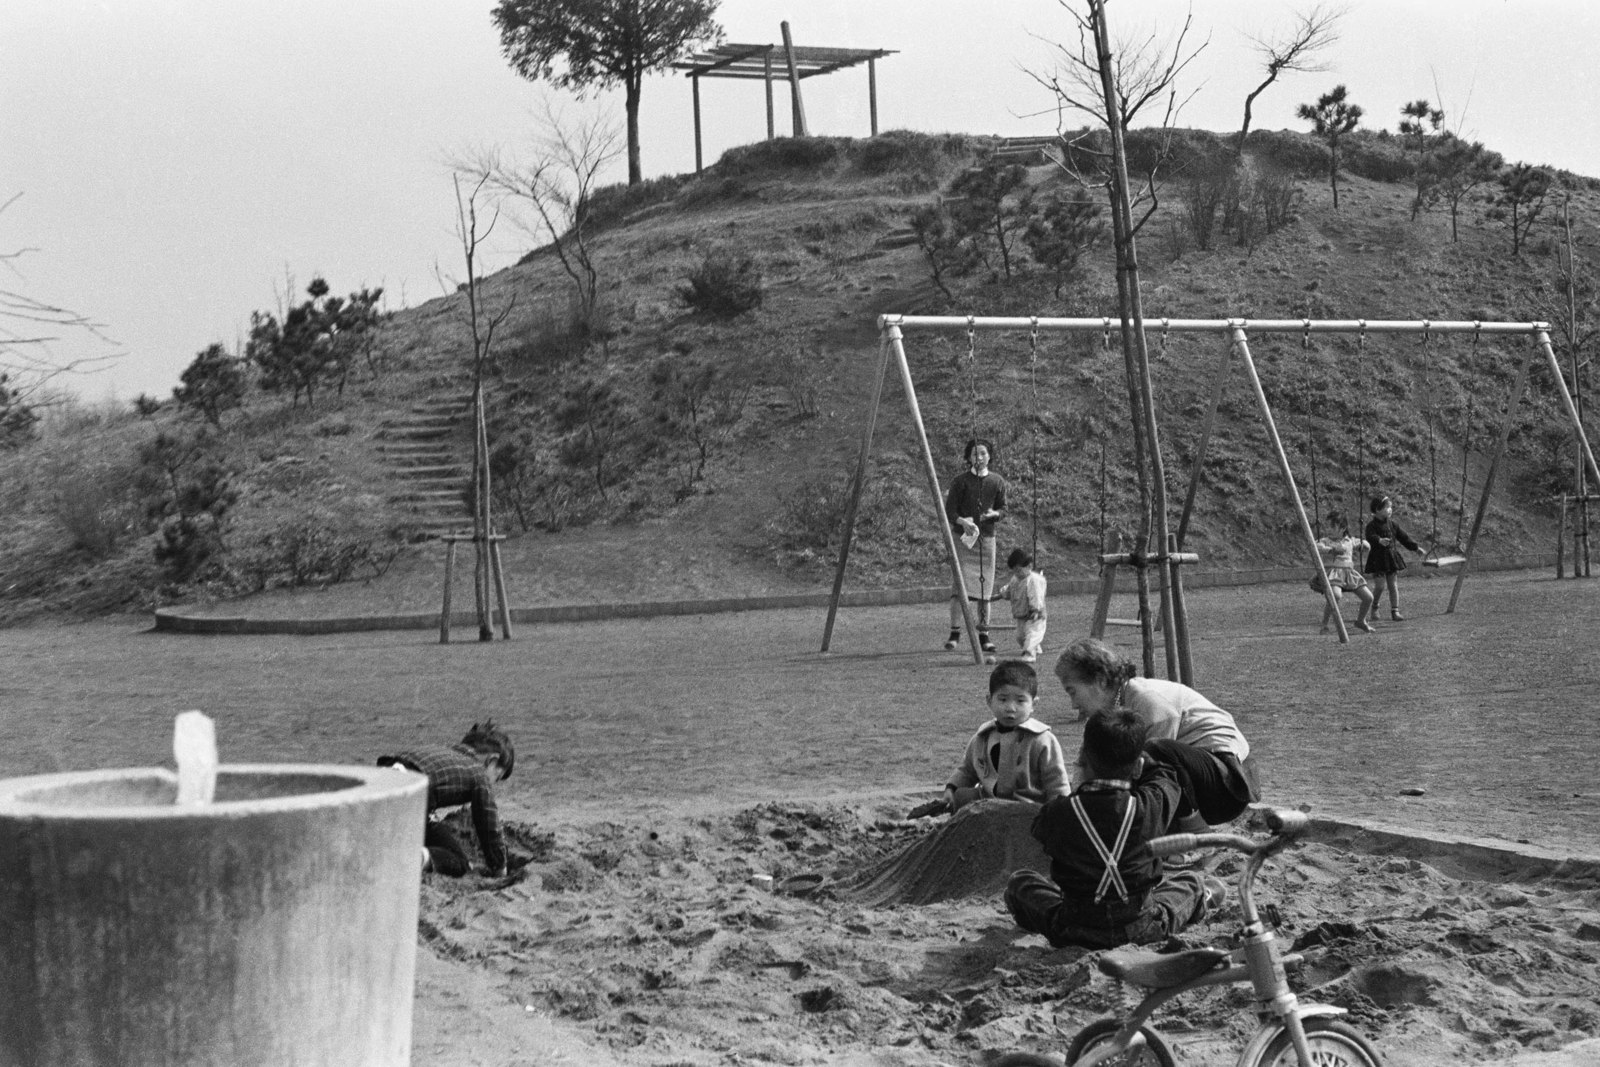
x: 972, y: 854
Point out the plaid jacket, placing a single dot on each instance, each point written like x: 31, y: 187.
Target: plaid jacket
x: 456, y: 777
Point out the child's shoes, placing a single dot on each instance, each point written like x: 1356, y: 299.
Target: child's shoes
x: 1396, y: 616
x: 952, y: 641
x: 1362, y: 624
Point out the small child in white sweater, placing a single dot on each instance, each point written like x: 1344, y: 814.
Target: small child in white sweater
x: 1026, y: 591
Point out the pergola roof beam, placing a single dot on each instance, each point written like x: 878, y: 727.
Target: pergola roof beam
x: 732, y: 60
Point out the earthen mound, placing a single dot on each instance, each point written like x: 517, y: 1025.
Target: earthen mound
x: 972, y: 854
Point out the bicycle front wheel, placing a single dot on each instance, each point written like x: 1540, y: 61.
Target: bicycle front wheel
x: 1333, y: 1044
x: 1155, y: 1052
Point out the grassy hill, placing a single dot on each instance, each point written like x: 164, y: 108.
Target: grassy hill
x: 650, y: 450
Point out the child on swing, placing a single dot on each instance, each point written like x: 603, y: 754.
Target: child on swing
x: 1384, y: 560
x: 1340, y: 571
x: 1106, y: 888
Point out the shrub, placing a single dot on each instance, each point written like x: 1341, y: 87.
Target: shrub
x: 314, y: 550
x: 554, y: 333
x: 1298, y: 153
x: 190, y: 492
x: 909, y: 152
x: 725, y: 284
x: 611, y: 204
x: 1378, y: 159
x: 782, y: 153
x: 93, y: 504
x: 213, y: 384
x: 17, y: 418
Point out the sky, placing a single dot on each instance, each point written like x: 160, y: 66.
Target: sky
x: 176, y: 164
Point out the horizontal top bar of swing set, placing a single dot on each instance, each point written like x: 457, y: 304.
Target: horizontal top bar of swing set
x: 1301, y: 326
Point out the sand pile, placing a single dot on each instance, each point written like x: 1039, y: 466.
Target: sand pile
x: 970, y: 854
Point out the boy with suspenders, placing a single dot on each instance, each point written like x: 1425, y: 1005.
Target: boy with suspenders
x: 1106, y: 888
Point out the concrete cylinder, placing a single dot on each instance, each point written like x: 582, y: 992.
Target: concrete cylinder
x: 276, y: 926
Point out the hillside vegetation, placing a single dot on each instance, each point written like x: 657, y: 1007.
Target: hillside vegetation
x: 653, y: 448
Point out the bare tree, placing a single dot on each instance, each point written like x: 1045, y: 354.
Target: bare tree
x: 1113, y: 86
x: 1292, y: 50
x: 555, y: 189
x: 28, y: 329
x: 481, y: 324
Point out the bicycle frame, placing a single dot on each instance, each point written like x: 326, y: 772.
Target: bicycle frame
x: 1257, y: 960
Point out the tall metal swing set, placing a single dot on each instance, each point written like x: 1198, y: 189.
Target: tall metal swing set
x: 1235, y: 332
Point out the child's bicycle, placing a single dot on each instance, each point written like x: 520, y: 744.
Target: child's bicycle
x: 1292, y: 1034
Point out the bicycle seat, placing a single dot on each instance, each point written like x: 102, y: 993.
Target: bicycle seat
x: 1161, y: 970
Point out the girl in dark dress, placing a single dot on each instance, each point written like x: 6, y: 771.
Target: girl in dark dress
x: 1384, y: 560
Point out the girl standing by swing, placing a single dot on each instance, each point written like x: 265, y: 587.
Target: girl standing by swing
x: 1341, y: 573
x: 1384, y: 560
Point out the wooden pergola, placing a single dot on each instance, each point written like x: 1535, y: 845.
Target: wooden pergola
x: 757, y: 60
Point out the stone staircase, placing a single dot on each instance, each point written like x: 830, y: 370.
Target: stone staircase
x: 428, y: 452
x: 1029, y: 151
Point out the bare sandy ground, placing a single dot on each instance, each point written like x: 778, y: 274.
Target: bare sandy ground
x: 665, y: 763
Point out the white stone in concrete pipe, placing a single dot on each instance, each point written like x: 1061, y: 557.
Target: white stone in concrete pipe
x: 276, y: 926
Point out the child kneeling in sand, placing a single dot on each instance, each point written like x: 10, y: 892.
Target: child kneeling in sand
x: 1106, y: 888
x: 1013, y: 755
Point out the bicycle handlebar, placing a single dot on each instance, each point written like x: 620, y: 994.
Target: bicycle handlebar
x: 1284, y: 823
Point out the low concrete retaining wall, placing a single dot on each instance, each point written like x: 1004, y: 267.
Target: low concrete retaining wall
x: 178, y: 620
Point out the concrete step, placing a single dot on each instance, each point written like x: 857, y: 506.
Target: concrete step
x: 455, y: 412
x: 424, y: 472
x: 896, y: 239
x: 415, y: 432
x: 452, y: 497
x: 430, y: 485
x: 401, y: 447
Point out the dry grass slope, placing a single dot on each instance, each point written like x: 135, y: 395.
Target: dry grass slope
x: 826, y: 221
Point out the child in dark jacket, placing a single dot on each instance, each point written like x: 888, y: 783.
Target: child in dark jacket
x: 1106, y: 888
x: 1384, y: 560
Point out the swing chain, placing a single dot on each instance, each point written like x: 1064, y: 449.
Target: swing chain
x: 1164, y: 328
x: 1431, y: 414
x: 1105, y: 335
x: 1305, y: 336
x: 972, y: 369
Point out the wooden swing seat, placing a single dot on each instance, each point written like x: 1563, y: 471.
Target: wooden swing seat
x: 1444, y: 561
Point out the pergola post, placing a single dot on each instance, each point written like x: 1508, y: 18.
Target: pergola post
x: 695, y: 81
x: 872, y: 93
x: 798, y: 106
x: 766, y: 75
